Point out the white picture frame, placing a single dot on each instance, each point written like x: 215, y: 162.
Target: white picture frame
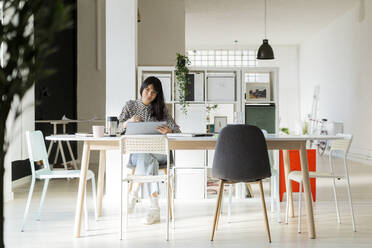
x: 257, y: 92
x: 219, y: 123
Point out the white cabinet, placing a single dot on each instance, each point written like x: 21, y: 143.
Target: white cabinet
x: 194, y: 121
x: 196, y: 87
x: 224, y: 87
x: 189, y: 183
x: 221, y: 86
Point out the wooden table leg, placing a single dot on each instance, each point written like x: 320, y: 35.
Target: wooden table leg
x: 307, y: 190
x: 63, y: 155
x: 287, y: 169
x: 71, y: 154
x: 82, y: 187
x: 101, y: 180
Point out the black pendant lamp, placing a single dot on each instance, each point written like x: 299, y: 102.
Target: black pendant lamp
x: 265, y: 51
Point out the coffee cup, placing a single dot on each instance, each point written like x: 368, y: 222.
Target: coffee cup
x: 98, y: 131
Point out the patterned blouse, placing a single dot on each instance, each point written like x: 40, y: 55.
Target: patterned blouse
x: 136, y: 107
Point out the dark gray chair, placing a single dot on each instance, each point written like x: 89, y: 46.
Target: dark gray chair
x: 241, y: 156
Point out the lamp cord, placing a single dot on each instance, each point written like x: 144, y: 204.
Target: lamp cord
x: 265, y: 19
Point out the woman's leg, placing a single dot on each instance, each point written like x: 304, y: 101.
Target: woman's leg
x: 147, y: 164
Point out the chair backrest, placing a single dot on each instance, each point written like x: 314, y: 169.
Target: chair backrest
x: 342, y: 144
x: 36, y: 149
x: 241, y: 154
x: 145, y: 144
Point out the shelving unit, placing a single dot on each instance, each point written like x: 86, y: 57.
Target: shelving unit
x: 225, y: 87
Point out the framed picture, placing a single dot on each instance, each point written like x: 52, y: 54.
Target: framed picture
x: 258, y: 92
x: 219, y: 123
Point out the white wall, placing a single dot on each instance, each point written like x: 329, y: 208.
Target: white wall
x: 338, y: 58
x: 16, y: 136
x: 121, y: 51
x: 286, y: 59
x: 161, y: 32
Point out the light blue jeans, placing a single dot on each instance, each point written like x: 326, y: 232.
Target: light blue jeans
x: 148, y: 164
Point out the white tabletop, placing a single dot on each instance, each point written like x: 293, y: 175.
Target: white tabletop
x: 270, y: 137
x: 73, y: 137
x: 67, y: 121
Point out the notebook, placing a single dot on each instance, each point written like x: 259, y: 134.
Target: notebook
x: 144, y: 127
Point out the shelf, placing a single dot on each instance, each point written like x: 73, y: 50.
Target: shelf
x: 190, y: 102
x: 259, y: 103
x: 221, y: 102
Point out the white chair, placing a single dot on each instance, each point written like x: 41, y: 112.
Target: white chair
x: 342, y: 145
x: 162, y: 167
x: 37, y: 152
x: 144, y: 144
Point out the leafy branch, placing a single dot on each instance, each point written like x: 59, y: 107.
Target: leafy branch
x: 182, y: 80
x: 25, y: 51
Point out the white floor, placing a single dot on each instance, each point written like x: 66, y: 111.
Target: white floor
x: 193, y: 221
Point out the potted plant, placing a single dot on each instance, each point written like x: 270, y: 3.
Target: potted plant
x: 208, y: 109
x: 182, y: 80
x: 23, y: 56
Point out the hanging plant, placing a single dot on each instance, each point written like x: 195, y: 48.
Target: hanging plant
x: 182, y: 80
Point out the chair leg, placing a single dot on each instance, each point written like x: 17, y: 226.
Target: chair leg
x: 42, y: 199
x: 229, y: 203
x: 168, y: 208
x: 57, y: 152
x: 173, y: 195
x: 86, y: 218
x: 169, y: 195
x: 221, y: 211
x: 131, y: 182
x: 121, y: 207
x: 277, y: 191
x: 218, y: 208
x: 170, y: 201
x: 126, y: 206
x: 250, y: 190
x: 272, y: 190
x: 334, y: 189
x: 299, y: 209
x: 264, y: 210
x: 94, y: 197
x: 349, y: 194
x: 28, y: 202
x: 287, y: 202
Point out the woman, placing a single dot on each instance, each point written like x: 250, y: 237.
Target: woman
x: 150, y: 107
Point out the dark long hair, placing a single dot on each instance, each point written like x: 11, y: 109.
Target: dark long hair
x: 157, y: 105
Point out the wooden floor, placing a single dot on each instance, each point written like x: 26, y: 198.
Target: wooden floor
x: 193, y: 220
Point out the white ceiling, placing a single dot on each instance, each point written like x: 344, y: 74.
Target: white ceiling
x: 217, y: 23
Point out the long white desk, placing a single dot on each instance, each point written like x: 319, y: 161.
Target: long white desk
x: 274, y: 142
x: 59, y: 149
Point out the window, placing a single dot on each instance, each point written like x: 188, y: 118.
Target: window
x: 257, y: 77
x: 222, y: 58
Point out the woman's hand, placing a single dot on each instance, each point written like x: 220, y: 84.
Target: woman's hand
x: 164, y: 129
x: 134, y: 118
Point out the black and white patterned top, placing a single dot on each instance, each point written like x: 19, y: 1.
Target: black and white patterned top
x: 136, y: 107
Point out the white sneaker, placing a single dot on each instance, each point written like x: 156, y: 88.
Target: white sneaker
x: 132, y: 200
x: 152, y: 217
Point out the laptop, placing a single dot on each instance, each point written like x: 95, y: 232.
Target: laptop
x: 144, y: 127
